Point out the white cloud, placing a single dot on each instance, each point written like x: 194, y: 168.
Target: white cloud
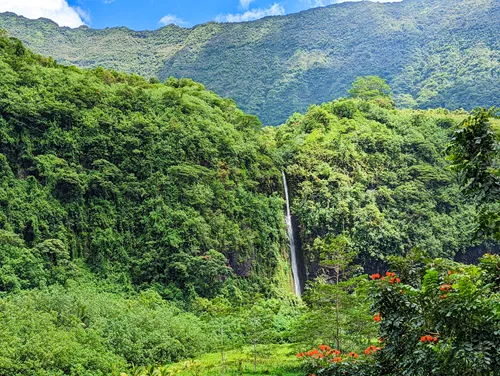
x: 252, y: 14
x: 171, y: 19
x: 245, y: 3
x: 84, y: 15
x: 57, y: 10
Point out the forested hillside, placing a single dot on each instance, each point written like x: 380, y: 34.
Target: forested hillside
x: 375, y: 177
x: 434, y: 53
x: 142, y: 223
x: 169, y: 184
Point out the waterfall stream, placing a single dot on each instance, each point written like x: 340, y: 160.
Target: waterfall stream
x: 294, y: 256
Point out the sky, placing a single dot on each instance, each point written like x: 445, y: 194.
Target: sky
x: 153, y: 14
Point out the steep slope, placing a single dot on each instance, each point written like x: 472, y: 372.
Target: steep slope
x: 165, y: 185
x: 433, y: 53
x: 377, y: 179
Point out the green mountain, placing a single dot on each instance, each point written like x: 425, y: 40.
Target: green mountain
x: 434, y: 53
x: 160, y: 182
x: 142, y: 223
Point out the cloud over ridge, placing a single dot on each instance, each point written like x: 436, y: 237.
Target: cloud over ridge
x: 172, y: 19
x: 58, y: 11
x: 252, y: 14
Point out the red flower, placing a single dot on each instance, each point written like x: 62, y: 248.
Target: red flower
x: 390, y: 274
x: 371, y: 349
x: 375, y: 276
x: 398, y: 280
x: 443, y: 296
x: 445, y: 287
x: 377, y: 317
x: 428, y: 338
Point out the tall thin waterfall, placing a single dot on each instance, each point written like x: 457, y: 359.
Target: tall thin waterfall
x: 291, y: 236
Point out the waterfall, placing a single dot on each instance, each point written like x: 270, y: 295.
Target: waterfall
x: 291, y: 235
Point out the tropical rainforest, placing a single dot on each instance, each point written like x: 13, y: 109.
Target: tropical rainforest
x: 142, y: 229
x: 433, y: 53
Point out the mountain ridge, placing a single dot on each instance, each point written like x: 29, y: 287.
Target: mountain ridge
x: 429, y: 51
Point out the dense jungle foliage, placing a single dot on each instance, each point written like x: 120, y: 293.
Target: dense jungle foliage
x: 377, y: 177
x: 169, y: 185
x: 142, y: 223
x: 434, y: 53
x: 436, y: 318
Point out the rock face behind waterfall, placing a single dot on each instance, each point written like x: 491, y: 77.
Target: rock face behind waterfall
x: 296, y: 257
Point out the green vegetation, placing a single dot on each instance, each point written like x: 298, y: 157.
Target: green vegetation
x: 164, y: 185
x: 433, y: 53
x: 278, y: 360
x: 475, y: 154
x: 440, y: 318
x: 377, y: 177
x: 142, y: 226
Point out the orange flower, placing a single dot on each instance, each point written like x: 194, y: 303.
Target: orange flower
x: 337, y: 360
x: 377, y: 317
x: 352, y: 354
x: 367, y: 351
x: 445, y: 287
x: 443, y: 296
x: 375, y: 276
x: 398, y: 280
x: 428, y: 338
x: 324, y: 347
x: 300, y: 355
x: 390, y: 274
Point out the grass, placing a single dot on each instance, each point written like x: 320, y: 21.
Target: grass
x: 275, y: 360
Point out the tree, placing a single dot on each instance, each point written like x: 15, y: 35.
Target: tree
x: 336, y: 295
x: 474, y: 153
x: 370, y: 87
x: 258, y: 328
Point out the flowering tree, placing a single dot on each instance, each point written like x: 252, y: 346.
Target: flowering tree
x: 436, y: 317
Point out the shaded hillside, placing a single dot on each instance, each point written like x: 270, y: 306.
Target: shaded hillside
x: 432, y: 52
x: 165, y: 185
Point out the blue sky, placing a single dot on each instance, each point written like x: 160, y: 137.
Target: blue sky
x: 152, y: 14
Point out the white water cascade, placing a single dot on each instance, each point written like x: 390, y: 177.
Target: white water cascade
x: 291, y: 236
